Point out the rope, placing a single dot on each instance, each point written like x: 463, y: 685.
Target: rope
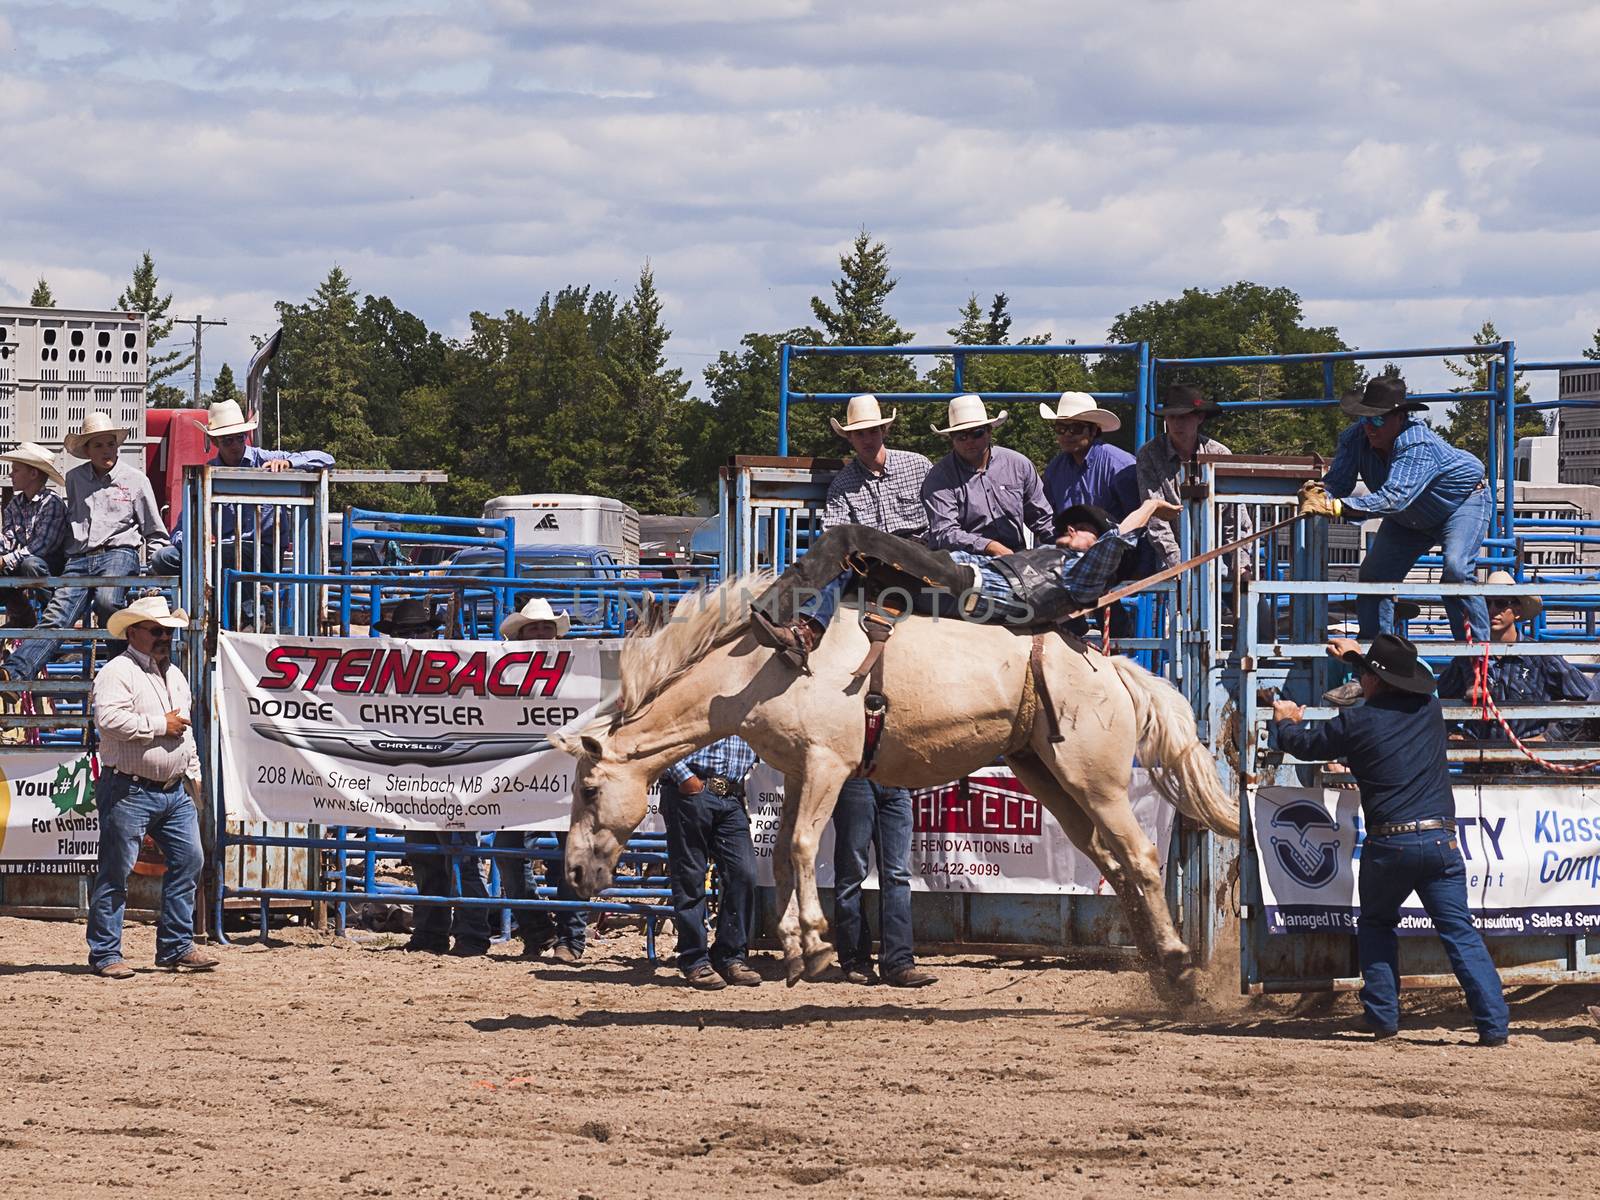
x: 1491, y: 712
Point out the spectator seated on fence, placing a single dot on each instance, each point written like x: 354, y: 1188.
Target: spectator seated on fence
x: 1089, y: 470
x: 1032, y: 588
x: 433, y: 925
x: 561, y: 933
x: 1161, y: 460
x: 33, y: 535
x: 981, y: 497
x: 1518, y: 679
x: 228, y: 432
x: 111, y: 517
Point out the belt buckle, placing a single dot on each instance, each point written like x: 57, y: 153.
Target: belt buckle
x: 718, y: 785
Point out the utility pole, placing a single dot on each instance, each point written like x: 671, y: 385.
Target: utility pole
x: 199, y: 324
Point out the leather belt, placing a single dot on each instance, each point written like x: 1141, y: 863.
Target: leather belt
x: 1394, y: 828
x: 721, y: 785
x: 149, y: 783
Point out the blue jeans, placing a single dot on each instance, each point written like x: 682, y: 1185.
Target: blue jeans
x: 30, y: 567
x: 69, y: 604
x: 869, y: 813
x: 540, y: 928
x: 432, y: 924
x: 1395, y: 550
x: 1430, y: 865
x: 128, y: 811
x: 701, y: 829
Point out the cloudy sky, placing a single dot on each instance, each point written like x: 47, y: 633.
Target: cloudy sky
x: 1409, y: 168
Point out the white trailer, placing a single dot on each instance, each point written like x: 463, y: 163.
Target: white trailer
x: 560, y: 519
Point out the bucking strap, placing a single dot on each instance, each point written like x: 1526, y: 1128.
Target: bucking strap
x: 1036, y: 667
x: 877, y: 627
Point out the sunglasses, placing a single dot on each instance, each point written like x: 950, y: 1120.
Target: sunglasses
x: 1376, y: 422
x: 1074, y: 428
x: 1496, y: 603
x: 970, y: 435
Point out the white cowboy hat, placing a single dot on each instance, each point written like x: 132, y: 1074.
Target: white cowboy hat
x: 1528, y: 607
x: 537, y: 609
x: 226, y: 417
x: 94, y: 425
x: 1080, y: 406
x: 31, y: 454
x: 968, y: 412
x: 147, y: 608
x: 862, y: 413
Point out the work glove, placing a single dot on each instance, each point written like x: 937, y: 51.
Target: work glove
x: 1315, y: 501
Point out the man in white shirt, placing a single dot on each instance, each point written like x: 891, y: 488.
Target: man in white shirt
x: 147, y: 753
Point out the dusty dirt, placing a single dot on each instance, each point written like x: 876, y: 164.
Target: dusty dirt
x: 353, y: 1069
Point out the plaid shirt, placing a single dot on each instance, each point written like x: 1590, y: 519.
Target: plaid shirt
x: 731, y: 758
x: 1088, y: 574
x: 1420, y: 482
x: 37, y: 527
x: 890, y: 501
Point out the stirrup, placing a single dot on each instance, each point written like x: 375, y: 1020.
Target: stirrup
x: 787, y: 640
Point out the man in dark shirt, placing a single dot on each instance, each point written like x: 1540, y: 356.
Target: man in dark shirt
x: 1395, y: 747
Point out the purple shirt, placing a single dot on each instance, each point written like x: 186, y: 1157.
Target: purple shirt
x: 1108, y: 479
x: 968, y: 509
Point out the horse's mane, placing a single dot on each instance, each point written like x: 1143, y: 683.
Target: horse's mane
x: 700, y: 621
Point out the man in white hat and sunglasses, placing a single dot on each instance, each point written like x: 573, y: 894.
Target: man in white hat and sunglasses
x: 147, y: 754
x: 33, y: 534
x: 1516, y: 679
x: 229, y: 431
x: 983, y: 498
x: 561, y: 933
x: 1089, y: 470
x: 111, y: 516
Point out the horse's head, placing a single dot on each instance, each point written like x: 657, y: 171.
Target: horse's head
x: 608, y: 802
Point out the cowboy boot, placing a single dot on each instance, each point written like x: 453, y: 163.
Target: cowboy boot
x: 793, y: 641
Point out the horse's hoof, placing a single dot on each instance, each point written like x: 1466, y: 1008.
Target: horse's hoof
x: 818, y: 965
x: 793, y: 971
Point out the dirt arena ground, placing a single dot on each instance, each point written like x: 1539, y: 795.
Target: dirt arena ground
x: 351, y: 1068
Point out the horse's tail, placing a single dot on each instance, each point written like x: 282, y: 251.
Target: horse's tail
x: 1169, y: 747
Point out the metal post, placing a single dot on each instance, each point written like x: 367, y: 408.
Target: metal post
x: 1508, y: 387
x: 783, y: 399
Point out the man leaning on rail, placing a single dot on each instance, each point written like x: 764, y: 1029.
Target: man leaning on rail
x: 1428, y: 493
x: 1395, y: 747
x: 147, y: 757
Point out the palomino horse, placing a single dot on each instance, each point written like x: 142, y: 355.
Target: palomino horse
x: 959, y: 695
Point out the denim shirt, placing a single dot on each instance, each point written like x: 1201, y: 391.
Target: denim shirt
x: 1420, y: 482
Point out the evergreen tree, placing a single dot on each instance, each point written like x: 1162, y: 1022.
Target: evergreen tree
x: 42, y: 296
x: 1466, y: 423
x: 143, y: 295
x: 650, y: 465
x: 223, y: 388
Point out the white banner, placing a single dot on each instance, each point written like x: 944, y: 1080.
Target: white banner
x: 48, y: 822
x: 1532, y: 857
x: 404, y: 735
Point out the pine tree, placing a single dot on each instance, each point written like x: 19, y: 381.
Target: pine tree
x: 42, y: 296
x: 652, y: 394
x: 142, y: 295
x: 223, y: 388
x: 1466, y: 422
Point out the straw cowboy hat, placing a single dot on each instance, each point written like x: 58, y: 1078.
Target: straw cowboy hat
x: 148, y: 608
x: 31, y: 454
x: 1383, y: 395
x: 94, y: 425
x: 1080, y: 406
x: 862, y: 413
x: 226, y: 417
x: 1528, y: 607
x: 538, y: 609
x: 968, y: 412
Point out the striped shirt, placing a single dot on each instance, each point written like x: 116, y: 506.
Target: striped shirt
x: 890, y: 500
x: 732, y: 758
x: 34, y: 527
x: 1420, y: 482
x: 131, y: 703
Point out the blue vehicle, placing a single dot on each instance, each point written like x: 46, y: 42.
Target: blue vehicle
x: 576, y: 577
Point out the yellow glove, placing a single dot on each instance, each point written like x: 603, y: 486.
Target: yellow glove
x: 1315, y: 501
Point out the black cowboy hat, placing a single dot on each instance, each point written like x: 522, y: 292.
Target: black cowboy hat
x: 1383, y: 395
x: 1394, y: 660
x: 407, y: 614
x: 1091, y: 515
x: 1183, y: 400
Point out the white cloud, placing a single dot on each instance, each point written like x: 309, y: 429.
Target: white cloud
x: 1378, y: 159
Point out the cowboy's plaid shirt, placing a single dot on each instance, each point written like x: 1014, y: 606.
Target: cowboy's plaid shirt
x: 732, y: 758
x: 891, y: 501
x: 37, y: 527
